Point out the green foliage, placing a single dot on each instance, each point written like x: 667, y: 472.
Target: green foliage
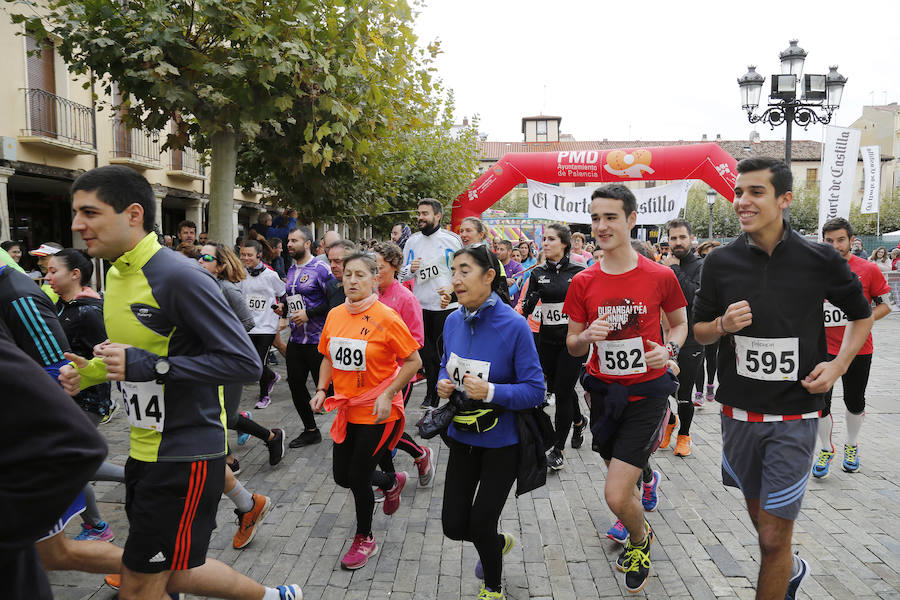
x: 696, y: 211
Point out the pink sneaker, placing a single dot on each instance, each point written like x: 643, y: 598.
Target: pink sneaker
x: 698, y: 399
x: 360, y: 550
x: 425, y: 465
x: 263, y: 402
x: 710, y: 393
x: 101, y: 532
x: 392, y: 496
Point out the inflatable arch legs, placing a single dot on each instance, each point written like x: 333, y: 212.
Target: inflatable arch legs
x: 707, y: 162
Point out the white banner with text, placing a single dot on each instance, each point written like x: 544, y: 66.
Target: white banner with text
x: 871, y: 156
x: 655, y: 206
x: 839, y: 158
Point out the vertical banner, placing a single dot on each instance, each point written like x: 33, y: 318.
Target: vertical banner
x: 839, y: 158
x: 871, y: 156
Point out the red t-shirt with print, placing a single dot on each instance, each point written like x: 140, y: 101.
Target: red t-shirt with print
x: 873, y: 284
x: 633, y: 300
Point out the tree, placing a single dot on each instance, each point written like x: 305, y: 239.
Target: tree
x: 232, y: 71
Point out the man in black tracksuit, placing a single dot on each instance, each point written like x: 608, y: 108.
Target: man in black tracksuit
x: 687, y: 267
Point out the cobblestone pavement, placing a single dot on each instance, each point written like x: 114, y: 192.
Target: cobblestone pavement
x: 849, y: 529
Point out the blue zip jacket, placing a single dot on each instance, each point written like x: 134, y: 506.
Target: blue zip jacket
x: 501, y: 336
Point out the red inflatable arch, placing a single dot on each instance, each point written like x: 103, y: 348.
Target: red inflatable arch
x: 707, y: 162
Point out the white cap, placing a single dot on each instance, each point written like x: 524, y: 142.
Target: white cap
x: 45, y: 250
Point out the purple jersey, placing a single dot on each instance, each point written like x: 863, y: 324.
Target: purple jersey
x: 513, y: 271
x: 305, y: 290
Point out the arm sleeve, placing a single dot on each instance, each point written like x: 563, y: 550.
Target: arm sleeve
x: 235, y: 300
x: 405, y: 273
x: 531, y: 296
x: 43, y: 473
x: 707, y: 305
x: 528, y: 391
x: 413, y: 318
x: 844, y: 289
x: 199, y: 307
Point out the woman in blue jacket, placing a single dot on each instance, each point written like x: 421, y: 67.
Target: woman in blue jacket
x: 483, y: 439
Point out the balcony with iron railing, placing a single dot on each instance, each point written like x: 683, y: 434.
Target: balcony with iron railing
x: 187, y: 164
x: 137, y: 148
x: 58, y: 123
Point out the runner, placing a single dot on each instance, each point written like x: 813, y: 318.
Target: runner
x: 512, y: 270
x: 483, y: 441
x: 763, y: 293
x: 176, y: 340
x: 548, y: 285
x: 528, y: 259
x: 616, y: 306
x: 261, y: 290
x: 362, y: 342
x: 839, y: 234
x: 426, y: 258
x: 225, y: 266
x: 307, y: 282
x: 388, y: 258
x: 80, y: 312
x: 686, y: 266
x: 710, y: 352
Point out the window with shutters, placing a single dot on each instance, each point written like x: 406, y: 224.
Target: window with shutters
x: 42, y: 110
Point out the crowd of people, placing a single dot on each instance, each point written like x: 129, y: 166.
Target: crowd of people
x: 497, y: 332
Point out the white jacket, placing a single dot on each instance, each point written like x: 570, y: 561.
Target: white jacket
x: 436, y: 252
x: 260, y: 293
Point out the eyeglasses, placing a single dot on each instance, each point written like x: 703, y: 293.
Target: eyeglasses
x: 206, y: 258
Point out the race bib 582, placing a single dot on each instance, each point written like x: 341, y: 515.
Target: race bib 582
x: 622, y: 357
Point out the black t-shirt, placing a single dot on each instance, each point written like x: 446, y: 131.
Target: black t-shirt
x: 760, y: 367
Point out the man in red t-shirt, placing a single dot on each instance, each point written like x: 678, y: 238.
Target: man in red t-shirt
x: 839, y: 234
x: 615, y: 307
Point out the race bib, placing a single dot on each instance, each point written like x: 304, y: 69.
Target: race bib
x: 457, y: 367
x: 552, y: 314
x: 144, y: 404
x: 834, y: 317
x: 536, y: 313
x: 767, y: 359
x: 295, y: 303
x: 348, y: 354
x: 256, y: 302
x: 429, y: 271
x: 622, y: 357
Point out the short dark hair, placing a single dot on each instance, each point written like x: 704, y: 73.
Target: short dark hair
x: 679, y: 223
x: 564, y: 233
x: 506, y: 244
x: 835, y: 224
x: 434, y: 204
x: 617, y: 191
x: 10, y: 244
x: 274, y: 242
x: 76, y: 259
x: 120, y: 187
x: 782, y: 178
x: 485, y: 259
x: 390, y: 252
x: 305, y: 232
x: 253, y: 244
x: 186, y: 223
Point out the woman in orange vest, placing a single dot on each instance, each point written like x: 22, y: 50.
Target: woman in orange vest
x: 362, y: 343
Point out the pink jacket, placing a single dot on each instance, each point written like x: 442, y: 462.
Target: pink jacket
x: 405, y: 304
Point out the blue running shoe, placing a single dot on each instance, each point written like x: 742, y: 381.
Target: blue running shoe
x: 820, y: 469
x: 508, y: 542
x: 851, y: 458
x: 797, y: 579
x: 617, y: 533
x: 289, y: 592
x: 243, y: 437
x: 650, y: 495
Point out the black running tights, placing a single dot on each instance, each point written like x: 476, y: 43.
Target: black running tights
x: 302, y: 360
x: 354, y: 467
x: 561, y: 370
x: 478, y: 481
x: 262, y: 342
x: 433, y: 349
x: 690, y: 363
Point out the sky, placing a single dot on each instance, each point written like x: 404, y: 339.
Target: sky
x: 651, y: 70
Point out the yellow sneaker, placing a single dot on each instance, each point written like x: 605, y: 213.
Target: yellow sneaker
x: 486, y: 594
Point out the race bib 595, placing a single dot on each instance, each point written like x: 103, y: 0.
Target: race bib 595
x: 767, y: 359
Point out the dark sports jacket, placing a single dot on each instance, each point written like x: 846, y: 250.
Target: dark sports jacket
x: 549, y: 283
x: 688, y: 274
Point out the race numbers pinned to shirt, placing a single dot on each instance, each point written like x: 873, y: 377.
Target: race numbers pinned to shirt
x: 348, y: 354
x: 458, y: 367
x: 767, y: 359
x: 256, y: 302
x: 295, y: 303
x: 622, y: 357
x: 552, y: 314
x: 144, y: 404
x: 834, y: 317
x: 430, y: 270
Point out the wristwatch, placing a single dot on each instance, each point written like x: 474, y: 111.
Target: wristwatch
x: 674, y: 349
x: 161, y: 368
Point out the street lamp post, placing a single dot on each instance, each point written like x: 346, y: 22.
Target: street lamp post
x: 711, y: 196
x: 822, y: 92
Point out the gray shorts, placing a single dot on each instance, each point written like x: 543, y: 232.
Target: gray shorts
x: 769, y: 461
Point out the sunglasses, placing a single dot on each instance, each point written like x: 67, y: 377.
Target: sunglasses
x: 206, y: 258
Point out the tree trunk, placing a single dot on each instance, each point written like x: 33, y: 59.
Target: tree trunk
x: 223, y: 157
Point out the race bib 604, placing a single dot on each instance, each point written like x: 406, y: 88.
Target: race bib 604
x: 834, y: 317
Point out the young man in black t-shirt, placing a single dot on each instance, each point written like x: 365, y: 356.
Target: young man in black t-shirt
x: 764, y: 294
